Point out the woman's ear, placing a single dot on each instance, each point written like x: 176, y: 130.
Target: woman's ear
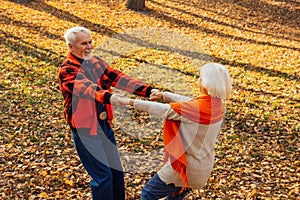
x: 203, y: 89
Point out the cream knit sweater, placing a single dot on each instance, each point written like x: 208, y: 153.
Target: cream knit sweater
x: 198, y: 139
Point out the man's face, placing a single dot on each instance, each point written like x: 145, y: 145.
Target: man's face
x: 82, y: 46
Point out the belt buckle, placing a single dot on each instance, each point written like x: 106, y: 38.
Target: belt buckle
x: 103, y: 115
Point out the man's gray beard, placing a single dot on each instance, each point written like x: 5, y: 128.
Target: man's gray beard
x: 88, y: 57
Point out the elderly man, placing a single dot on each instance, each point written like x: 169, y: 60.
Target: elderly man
x: 85, y: 81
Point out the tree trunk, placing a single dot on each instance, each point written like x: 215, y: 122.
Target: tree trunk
x: 136, y: 5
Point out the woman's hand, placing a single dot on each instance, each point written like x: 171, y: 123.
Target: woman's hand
x: 156, y: 94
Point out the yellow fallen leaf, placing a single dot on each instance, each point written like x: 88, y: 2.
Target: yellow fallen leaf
x: 249, y: 196
x: 69, y: 182
x: 44, y: 195
x: 43, y: 173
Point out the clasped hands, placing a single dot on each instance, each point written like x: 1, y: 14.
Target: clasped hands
x: 119, y: 100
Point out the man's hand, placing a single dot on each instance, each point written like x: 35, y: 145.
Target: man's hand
x: 119, y: 100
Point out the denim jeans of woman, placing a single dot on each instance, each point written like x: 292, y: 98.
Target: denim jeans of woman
x: 100, y: 158
x: 156, y: 189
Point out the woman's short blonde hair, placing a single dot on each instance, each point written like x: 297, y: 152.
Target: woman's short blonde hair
x: 216, y: 79
x: 70, y: 34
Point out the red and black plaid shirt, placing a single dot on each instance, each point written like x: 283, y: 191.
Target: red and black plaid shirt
x: 85, y: 84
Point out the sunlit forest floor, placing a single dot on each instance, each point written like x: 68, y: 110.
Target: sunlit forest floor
x: 257, y: 153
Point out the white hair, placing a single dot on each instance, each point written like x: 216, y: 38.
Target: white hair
x: 70, y: 34
x: 216, y: 79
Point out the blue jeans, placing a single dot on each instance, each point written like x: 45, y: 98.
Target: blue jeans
x: 100, y: 158
x: 155, y: 189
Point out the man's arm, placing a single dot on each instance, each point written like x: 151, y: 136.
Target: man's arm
x: 124, y: 82
x: 75, y: 82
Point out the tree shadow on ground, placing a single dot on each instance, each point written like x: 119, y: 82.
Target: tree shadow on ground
x: 287, y: 35
x: 40, y: 29
x: 160, y: 15
x: 64, y: 15
x: 18, y: 44
x: 286, y: 12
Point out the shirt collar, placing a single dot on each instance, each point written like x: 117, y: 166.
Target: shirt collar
x: 77, y: 58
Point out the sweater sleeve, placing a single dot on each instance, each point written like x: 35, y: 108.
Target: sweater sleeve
x: 159, y: 109
x: 172, y: 97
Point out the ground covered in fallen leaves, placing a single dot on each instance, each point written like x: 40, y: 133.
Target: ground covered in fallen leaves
x: 257, y: 154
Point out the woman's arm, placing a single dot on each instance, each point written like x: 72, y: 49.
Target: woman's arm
x: 168, y: 97
x: 162, y: 110
x: 172, y: 97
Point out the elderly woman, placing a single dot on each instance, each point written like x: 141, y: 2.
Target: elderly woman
x: 190, y: 130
